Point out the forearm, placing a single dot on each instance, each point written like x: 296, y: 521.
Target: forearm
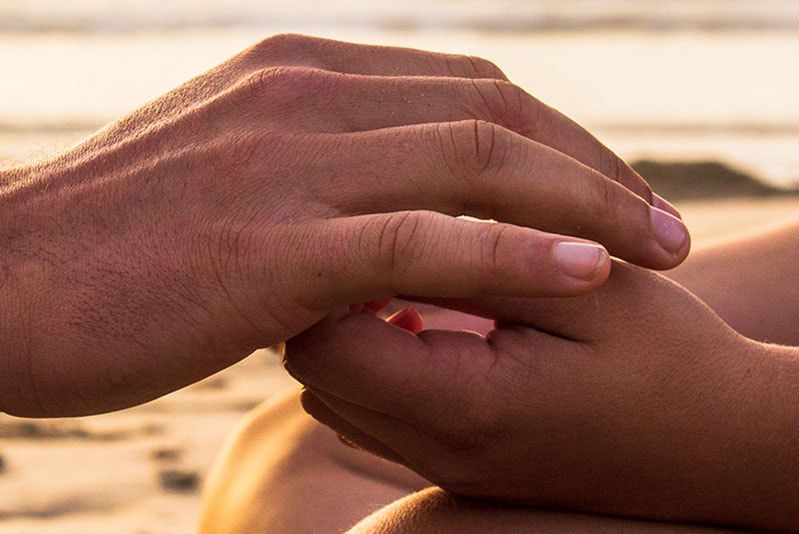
x: 750, y: 282
x: 20, y: 272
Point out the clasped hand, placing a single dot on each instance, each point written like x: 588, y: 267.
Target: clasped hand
x: 636, y: 400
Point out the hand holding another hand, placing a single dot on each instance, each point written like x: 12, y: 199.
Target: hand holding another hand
x: 635, y: 400
x: 301, y: 174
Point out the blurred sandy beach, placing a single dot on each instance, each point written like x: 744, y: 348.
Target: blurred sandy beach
x: 668, y: 81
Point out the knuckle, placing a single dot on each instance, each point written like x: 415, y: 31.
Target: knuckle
x: 283, y: 45
x: 472, y: 67
x: 284, y: 83
x: 396, y: 243
x: 494, y: 239
x: 485, y: 68
x: 476, y: 149
x: 506, y: 104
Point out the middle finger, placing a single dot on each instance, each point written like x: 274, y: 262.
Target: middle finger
x: 321, y: 101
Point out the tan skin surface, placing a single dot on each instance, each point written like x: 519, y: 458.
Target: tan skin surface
x: 434, y: 511
x: 635, y: 401
x: 302, y: 174
x: 285, y: 473
x: 750, y: 282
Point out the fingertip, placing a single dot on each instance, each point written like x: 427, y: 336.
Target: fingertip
x: 672, y: 237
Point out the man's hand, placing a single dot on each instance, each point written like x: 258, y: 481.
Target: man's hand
x: 636, y: 400
x: 237, y: 210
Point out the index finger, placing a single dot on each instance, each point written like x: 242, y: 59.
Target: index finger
x: 368, y: 362
x: 524, y: 113
x: 480, y: 169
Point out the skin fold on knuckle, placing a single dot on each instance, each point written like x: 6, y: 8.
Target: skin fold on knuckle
x: 505, y: 104
x: 288, y: 92
x: 471, y: 67
x: 283, y: 47
x: 395, y: 243
x: 498, y: 256
x: 475, y: 152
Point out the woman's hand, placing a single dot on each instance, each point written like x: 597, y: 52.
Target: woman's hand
x: 636, y: 400
x: 237, y: 210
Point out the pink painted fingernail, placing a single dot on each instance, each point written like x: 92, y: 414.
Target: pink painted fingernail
x: 669, y: 231
x: 407, y: 319
x: 662, y: 204
x: 579, y: 260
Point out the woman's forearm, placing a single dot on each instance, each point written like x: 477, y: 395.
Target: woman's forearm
x: 750, y: 282
x: 762, y: 453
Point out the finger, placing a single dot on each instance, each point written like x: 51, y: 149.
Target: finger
x: 349, y: 103
x: 293, y: 50
x: 367, y: 362
x: 629, y: 294
x: 320, y: 411
x: 437, y: 318
x: 478, y: 168
x: 339, y: 56
x: 425, y: 253
x: 371, y: 430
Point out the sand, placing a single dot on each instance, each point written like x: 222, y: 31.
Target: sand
x: 140, y: 470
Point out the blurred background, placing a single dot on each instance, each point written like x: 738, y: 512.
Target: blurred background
x: 700, y: 94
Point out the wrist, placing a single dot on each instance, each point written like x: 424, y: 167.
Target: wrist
x: 21, y: 274
x: 760, y: 452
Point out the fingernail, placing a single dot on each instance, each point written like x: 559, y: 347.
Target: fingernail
x: 579, y: 260
x: 662, y: 204
x: 407, y: 319
x: 669, y: 231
